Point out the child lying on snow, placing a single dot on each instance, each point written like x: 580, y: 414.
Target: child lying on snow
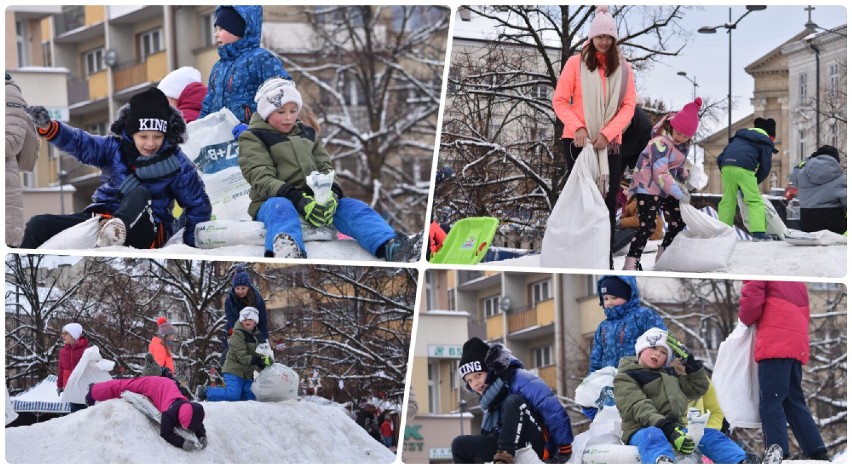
x: 166, y: 396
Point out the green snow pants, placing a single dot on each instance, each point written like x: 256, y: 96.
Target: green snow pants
x: 735, y: 178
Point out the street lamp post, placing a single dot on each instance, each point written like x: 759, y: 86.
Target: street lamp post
x: 730, y: 26
x: 694, y: 83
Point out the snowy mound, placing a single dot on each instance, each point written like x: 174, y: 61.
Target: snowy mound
x: 239, y: 432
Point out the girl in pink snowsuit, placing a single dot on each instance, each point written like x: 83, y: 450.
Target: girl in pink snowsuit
x: 166, y: 396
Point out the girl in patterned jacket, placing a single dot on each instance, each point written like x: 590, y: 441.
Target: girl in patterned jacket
x: 143, y: 173
x: 519, y: 409
x: 659, y: 178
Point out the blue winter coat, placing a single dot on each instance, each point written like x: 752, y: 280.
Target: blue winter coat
x: 242, y: 67
x: 750, y: 149
x: 106, y: 152
x: 234, y: 304
x: 546, y: 407
x: 616, y: 335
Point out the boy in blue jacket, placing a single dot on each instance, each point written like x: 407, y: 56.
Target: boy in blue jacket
x: 519, y: 410
x: 243, y: 65
x: 745, y: 163
x: 143, y: 173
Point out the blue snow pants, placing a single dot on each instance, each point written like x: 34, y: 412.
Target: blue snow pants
x: 719, y: 448
x: 236, y: 389
x: 782, y: 401
x: 353, y: 218
x: 652, y: 444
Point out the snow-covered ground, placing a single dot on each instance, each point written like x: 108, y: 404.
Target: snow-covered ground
x: 247, y: 432
x: 749, y: 258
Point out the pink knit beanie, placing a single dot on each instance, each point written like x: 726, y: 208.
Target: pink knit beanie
x: 603, y: 23
x: 686, y: 121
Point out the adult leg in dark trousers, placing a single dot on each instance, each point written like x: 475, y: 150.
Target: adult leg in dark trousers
x: 138, y: 217
x: 519, y: 429
x: 40, y: 228
x: 616, y: 170
x: 782, y: 401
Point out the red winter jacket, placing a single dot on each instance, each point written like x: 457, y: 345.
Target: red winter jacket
x: 69, y: 356
x: 387, y: 428
x: 781, y: 313
x: 189, y: 101
x: 162, y: 391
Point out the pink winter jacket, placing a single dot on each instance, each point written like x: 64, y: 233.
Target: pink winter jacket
x: 570, y: 111
x: 162, y: 391
x: 781, y: 313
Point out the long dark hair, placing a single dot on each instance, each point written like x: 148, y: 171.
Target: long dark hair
x: 247, y: 300
x: 591, y: 60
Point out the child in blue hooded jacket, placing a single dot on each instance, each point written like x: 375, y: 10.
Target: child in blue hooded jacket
x: 744, y: 164
x: 243, y: 65
x: 143, y: 173
x: 519, y: 410
x: 626, y: 320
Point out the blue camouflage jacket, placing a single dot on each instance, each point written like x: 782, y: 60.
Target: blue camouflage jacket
x: 616, y: 335
x: 242, y: 67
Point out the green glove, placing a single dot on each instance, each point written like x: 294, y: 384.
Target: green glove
x: 677, y: 346
x: 267, y: 360
x: 308, y: 208
x: 681, y: 441
x: 329, y: 209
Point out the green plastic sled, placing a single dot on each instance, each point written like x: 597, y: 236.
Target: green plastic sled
x: 467, y: 242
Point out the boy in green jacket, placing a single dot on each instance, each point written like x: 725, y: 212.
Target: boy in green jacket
x: 277, y: 154
x: 652, y: 400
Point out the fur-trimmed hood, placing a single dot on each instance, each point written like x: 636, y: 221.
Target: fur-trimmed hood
x: 177, y: 125
x: 498, y: 360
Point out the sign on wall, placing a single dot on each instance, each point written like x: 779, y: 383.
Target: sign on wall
x: 445, y: 351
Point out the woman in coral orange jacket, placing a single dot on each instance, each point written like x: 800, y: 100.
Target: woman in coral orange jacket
x: 595, y: 99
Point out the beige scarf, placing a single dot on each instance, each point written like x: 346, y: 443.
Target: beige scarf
x: 599, y: 108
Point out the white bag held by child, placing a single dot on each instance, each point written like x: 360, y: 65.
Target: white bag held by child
x: 577, y: 233
x: 91, y: 368
x: 219, y: 233
x: 80, y: 236
x: 735, y: 378
x: 774, y: 224
x: 705, y: 245
x: 276, y: 383
x: 588, y: 393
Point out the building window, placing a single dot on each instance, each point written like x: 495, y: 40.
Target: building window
x: 433, y: 384
x: 21, y: 43
x: 28, y: 178
x: 833, y: 135
x: 207, y: 30
x: 451, y: 300
x: 94, y: 61
x: 540, y: 291
x: 46, y: 52
x: 542, y: 356
x: 491, y: 306
x: 803, y: 140
x: 428, y: 280
x: 803, y: 88
x: 150, y: 43
x: 833, y: 79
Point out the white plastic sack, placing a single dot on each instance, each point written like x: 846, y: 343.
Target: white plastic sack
x: 818, y: 238
x: 705, y: 246
x: 526, y: 455
x: 604, y: 430
x: 696, y: 424
x: 774, y: 224
x: 735, y: 378
x: 80, y: 236
x: 218, y: 233
x: 212, y: 147
x: 697, y: 177
x: 276, y: 383
x: 588, y: 393
x: 611, y: 454
x: 577, y: 233
x: 91, y: 368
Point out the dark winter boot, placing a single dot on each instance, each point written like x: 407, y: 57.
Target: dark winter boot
x: 201, y: 392
x: 759, y: 236
x: 751, y: 458
x: 504, y: 457
x: 773, y: 455
x: 663, y: 460
x: 403, y: 248
x: 821, y: 455
x: 284, y: 246
x: 89, y: 400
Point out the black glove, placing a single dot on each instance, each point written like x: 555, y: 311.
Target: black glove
x: 261, y: 361
x: 188, y: 445
x: 691, y: 364
x: 680, y: 440
x: 203, y: 441
x: 39, y: 115
x: 59, y: 391
x: 562, y: 456
x: 166, y: 372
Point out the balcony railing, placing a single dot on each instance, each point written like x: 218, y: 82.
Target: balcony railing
x: 72, y: 17
x: 151, y: 69
x: 526, y: 317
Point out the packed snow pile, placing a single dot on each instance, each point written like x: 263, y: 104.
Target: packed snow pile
x: 290, y: 432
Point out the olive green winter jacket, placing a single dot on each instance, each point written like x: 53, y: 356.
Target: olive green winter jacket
x: 644, y: 397
x: 269, y: 159
x: 241, y: 347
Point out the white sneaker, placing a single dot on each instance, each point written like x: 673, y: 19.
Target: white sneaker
x: 112, y: 233
x: 284, y: 246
